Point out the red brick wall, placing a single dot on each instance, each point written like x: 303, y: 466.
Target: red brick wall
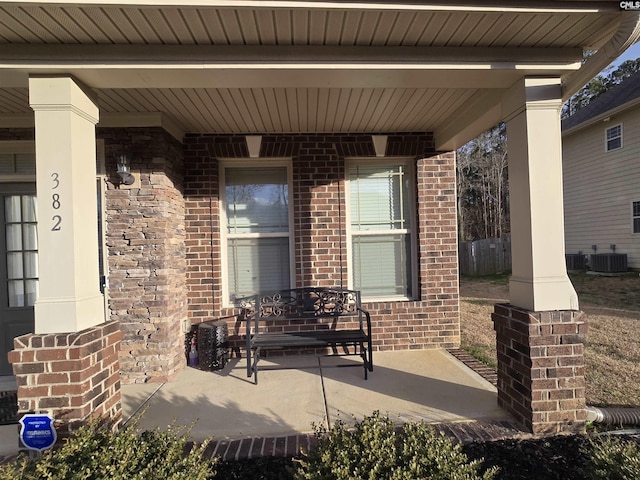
x: 164, y: 243
x: 320, y: 251
x: 541, y: 368
x: 74, y: 376
x: 146, y: 247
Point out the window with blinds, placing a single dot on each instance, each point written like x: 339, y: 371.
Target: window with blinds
x: 381, y: 229
x: 257, y: 231
x: 635, y: 216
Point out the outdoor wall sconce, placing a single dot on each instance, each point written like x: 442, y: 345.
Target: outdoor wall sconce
x: 124, y: 169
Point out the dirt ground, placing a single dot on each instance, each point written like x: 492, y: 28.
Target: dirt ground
x: 612, y: 351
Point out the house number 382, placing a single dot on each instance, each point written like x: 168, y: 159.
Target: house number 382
x: 55, y: 203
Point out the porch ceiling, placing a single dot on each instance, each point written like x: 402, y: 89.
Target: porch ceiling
x: 286, y: 67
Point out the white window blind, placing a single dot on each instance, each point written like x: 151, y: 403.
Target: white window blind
x: 257, y: 228
x: 257, y: 265
x: 380, y: 230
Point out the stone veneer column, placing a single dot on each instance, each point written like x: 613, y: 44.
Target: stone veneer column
x: 147, y: 258
x: 541, y: 368
x: 72, y: 376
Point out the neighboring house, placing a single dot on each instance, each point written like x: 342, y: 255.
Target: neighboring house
x: 601, y: 170
x: 275, y: 144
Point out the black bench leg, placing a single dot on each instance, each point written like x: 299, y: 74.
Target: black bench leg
x: 252, y: 364
x: 365, y: 361
x: 256, y: 358
x: 366, y: 370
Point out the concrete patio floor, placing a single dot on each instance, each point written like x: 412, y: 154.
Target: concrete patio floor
x: 428, y: 385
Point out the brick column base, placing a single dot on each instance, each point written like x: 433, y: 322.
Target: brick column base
x: 71, y: 376
x: 541, y: 368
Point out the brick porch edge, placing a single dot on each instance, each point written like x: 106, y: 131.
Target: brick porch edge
x: 293, y: 445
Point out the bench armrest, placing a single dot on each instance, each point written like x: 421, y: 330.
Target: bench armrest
x: 367, y: 318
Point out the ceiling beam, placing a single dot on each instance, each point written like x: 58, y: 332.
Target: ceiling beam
x: 470, y: 120
x: 283, y: 57
x: 167, y: 77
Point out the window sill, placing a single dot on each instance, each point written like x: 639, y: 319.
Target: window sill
x: 386, y: 299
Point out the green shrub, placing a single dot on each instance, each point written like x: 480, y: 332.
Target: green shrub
x: 374, y: 449
x: 613, y: 458
x: 95, y: 452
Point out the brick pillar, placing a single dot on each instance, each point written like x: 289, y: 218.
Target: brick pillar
x: 541, y: 367
x: 319, y: 210
x: 71, y: 376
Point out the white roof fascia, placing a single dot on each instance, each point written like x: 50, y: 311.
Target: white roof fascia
x: 530, y: 6
x: 627, y: 34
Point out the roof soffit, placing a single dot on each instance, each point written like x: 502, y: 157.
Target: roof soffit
x: 293, y: 65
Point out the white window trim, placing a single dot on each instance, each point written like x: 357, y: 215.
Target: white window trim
x: 606, y: 139
x: 409, y: 165
x: 248, y: 163
x: 634, y: 217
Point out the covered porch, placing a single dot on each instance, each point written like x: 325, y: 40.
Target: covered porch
x: 420, y: 385
x: 194, y: 92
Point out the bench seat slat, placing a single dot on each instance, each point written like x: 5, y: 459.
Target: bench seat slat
x: 319, y: 338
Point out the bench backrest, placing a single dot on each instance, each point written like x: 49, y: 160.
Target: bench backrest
x: 302, y: 303
x: 307, y: 302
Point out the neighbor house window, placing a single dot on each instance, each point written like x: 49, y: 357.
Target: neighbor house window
x: 636, y: 217
x: 614, y: 138
x: 381, y: 228
x: 256, y: 239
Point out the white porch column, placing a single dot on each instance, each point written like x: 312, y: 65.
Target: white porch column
x: 539, y: 281
x: 69, y: 297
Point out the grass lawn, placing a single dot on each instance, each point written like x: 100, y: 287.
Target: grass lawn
x: 612, y: 351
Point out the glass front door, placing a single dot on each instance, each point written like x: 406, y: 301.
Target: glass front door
x: 18, y: 265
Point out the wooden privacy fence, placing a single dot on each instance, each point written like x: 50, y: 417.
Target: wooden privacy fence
x: 485, y: 257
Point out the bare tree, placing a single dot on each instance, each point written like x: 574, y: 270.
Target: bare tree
x: 482, y: 185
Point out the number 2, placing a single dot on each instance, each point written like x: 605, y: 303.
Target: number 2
x: 56, y: 226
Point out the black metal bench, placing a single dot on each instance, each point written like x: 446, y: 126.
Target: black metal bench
x: 307, y: 318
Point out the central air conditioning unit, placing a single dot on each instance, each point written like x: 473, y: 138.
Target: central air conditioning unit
x: 609, y: 262
x: 576, y: 261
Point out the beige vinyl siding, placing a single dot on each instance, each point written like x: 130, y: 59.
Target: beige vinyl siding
x: 599, y: 188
